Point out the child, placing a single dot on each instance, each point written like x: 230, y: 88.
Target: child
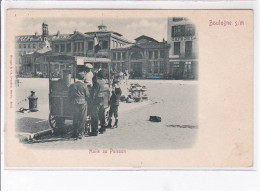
x: 114, y: 103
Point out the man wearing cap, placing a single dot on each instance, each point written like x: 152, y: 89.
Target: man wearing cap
x: 89, y: 75
x: 78, y: 97
x: 98, y: 110
x: 88, y: 80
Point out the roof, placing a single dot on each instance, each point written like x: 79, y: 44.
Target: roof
x: 67, y: 36
x: 147, y: 38
x: 103, y: 32
x: 27, y: 38
x: 153, y: 45
x: 81, y: 60
x: 33, y: 38
x: 145, y: 42
x: 62, y: 37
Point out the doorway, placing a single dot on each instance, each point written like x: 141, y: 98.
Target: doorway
x: 137, y: 69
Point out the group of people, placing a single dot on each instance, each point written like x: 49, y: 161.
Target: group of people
x: 87, y: 98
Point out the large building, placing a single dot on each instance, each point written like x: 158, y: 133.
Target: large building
x: 30, y: 43
x: 183, y: 55
x: 143, y: 58
x: 75, y: 44
x: 82, y: 44
x: 146, y: 58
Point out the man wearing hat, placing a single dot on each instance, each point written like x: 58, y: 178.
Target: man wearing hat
x: 78, y: 97
x: 98, y: 110
x: 88, y: 80
x: 89, y: 75
x: 114, y: 104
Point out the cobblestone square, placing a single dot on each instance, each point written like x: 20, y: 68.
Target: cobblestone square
x: 174, y: 101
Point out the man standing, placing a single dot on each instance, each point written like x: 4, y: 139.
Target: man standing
x: 114, y: 104
x: 89, y: 75
x: 78, y: 97
x: 88, y: 80
x: 98, y: 110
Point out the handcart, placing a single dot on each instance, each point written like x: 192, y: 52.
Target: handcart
x: 59, y: 106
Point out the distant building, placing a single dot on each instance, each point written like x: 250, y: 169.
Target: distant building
x: 183, y: 55
x: 76, y: 44
x: 27, y: 44
x: 82, y: 44
x: 33, y: 65
x: 146, y: 58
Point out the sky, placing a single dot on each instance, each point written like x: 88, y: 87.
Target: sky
x: 129, y: 28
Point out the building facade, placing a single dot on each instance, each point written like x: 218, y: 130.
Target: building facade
x: 143, y: 58
x: 183, y: 53
x: 30, y: 43
x: 76, y: 44
x: 82, y: 44
x: 146, y: 58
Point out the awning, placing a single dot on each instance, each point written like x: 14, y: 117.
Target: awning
x: 82, y: 60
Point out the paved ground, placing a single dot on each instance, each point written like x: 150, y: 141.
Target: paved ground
x: 174, y: 101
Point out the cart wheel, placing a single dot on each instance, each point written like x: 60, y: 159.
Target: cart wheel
x: 56, y: 122
x: 53, y: 122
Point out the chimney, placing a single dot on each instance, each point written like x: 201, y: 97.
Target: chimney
x: 36, y: 34
x: 58, y: 33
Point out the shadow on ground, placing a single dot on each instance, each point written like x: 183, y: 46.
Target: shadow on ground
x: 31, y: 125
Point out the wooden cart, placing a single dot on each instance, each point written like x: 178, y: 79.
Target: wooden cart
x: 59, y: 106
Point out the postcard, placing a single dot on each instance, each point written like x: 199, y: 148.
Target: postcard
x: 129, y: 89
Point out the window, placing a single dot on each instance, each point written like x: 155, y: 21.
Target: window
x: 82, y: 46
x: 178, y: 31
x: 68, y: 47
x: 150, y: 67
x: 90, y: 45
x: 74, y: 47
x: 24, y: 46
x: 79, y: 46
x: 124, y: 55
x: 176, y: 19
x: 188, y: 48
x: 156, y: 67
x: 156, y: 54
x: 20, y: 46
x: 162, y: 54
x: 116, y: 44
x: 57, y: 66
x: 150, y: 54
x: 123, y: 67
x: 189, y: 30
x: 187, y: 68
x: 118, y: 56
x: 114, y: 56
x: 177, y: 48
x: 33, y: 45
x: 120, y: 67
x: 62, y: 47
x: 29, y: 45
x: 162, y: 67
x: 105, y: 45
x: 56, y: 48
